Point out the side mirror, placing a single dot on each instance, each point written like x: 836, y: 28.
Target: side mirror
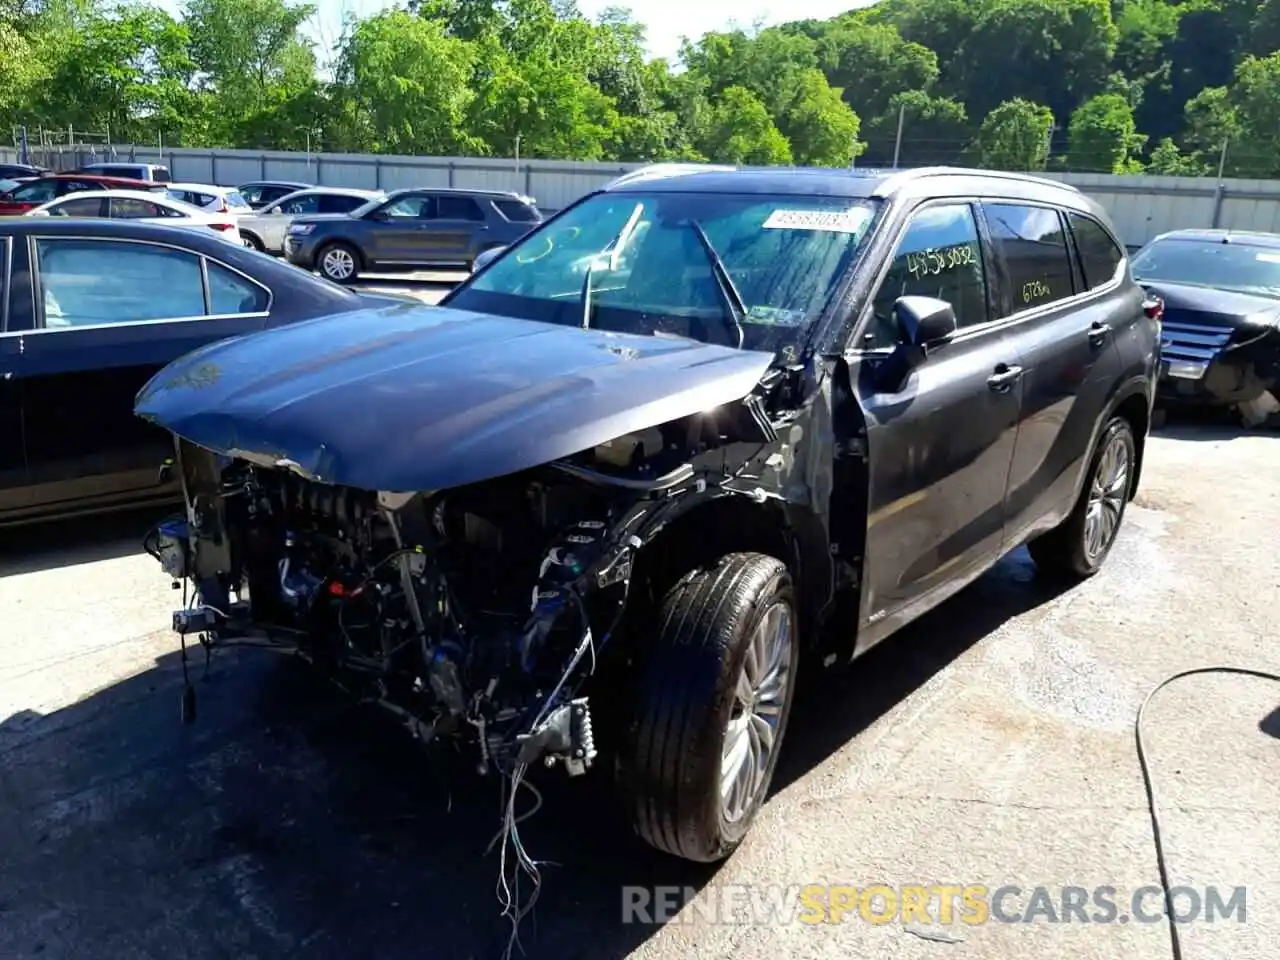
x: 486, y: 257
x: 381, y: 216
x: 275, y: 209
x: 923, y: 322
x: 38, y: 213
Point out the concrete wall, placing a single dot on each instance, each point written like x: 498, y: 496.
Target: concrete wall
x: 1141, y: 206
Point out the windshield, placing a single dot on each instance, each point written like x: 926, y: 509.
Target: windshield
x: 691, y: 265
x: 1211, y: 263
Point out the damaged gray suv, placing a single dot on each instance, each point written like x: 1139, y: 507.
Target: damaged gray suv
x: 701, y: 429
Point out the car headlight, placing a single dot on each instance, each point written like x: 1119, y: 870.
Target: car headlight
x: 301, y: 229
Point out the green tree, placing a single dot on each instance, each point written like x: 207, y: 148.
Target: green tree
x: 742, y: 132
x: 1014, y: 136
x: 1167, y: 160
x: 1245, y: 115
x: 1103, y: 136
x: 935, y: 130
x: 403, y: 84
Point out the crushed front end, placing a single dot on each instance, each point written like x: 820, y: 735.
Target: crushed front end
x: 467, y: 613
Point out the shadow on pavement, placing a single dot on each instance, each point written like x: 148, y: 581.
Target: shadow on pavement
x: 839, y: 707
x: 60, y: 543
x: 285, y: 822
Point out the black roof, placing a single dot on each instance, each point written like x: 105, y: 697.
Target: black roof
x: 1248, y: 238
x: 853, y: 184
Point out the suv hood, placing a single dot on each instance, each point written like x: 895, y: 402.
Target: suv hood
x: 416, y: 397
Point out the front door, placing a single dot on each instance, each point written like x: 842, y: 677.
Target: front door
x: 103, y: 328
x: 398, y: 233
x: 1066, y: 338
x: 939, y: 445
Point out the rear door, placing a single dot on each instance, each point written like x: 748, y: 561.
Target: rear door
x: 448, y: 236
x: 1064, y: 333
x: 104, y: 326
x: 940, y: 444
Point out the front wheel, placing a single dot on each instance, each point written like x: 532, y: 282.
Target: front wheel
x: 712, y: 707
x: 338, y: 262
x: 1077, y: 547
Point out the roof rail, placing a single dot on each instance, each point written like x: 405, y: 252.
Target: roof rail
x: 897, y: 179
x: 658, y: 171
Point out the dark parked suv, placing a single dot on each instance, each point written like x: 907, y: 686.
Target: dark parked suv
x: 409, y: 230
x: 697, y: 429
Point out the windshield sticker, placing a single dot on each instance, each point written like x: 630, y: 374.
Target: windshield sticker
x: 933, y: 261
x: 1268, y: 258
x: 775, y: 316
x: 834, y: 221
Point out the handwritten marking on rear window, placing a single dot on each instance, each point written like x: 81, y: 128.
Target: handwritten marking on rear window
x: 834, y: 221
x: 1035, y: 290
x: 932, y: 261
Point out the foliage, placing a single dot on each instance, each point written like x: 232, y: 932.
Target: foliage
x: 1014, y: 136
x: 1154, y: 84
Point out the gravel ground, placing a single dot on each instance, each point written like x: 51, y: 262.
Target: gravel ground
x: 991, y: 743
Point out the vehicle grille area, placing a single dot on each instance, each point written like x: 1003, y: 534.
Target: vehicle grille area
x: 1192, y: 342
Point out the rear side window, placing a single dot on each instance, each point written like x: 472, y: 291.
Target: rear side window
x: 95, y: 282
x: 457, y: 208
x: 1099, y: 253
x: 336, y: 203
x: 131, y: 208
x: 939, y: 256
x: 305, y: 204
x: 1034, y: 247
x: 517, y: 212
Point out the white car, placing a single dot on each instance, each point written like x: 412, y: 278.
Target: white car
x: 139, y: 205
x: 210, y: 198
x: 265, y: 229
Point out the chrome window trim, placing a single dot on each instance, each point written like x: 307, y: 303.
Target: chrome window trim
x: 38, y: 302
x: 1000, y: 323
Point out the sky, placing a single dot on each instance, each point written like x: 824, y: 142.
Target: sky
x: 666, y: 21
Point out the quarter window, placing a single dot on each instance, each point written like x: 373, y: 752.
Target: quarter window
x: 517, y: 212
x: 1034, y: 247
x: 939, y: 256
x: 92, y: 282
x: 1099, y: 254
x: 231, y: 293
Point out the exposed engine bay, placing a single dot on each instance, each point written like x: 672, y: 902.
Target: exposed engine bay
x: 466, y: 612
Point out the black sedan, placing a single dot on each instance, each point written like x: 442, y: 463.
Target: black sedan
x: 90, y: 309
x: 1221, y: 338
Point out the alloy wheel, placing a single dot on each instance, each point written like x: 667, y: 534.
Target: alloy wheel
x: 338, y: 264
x: 1107, y: 494
x: 760, y: 695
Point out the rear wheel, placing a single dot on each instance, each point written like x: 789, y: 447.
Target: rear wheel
x: 1078, y: 546
x: 338, y: 262
x: 252, y: 242
x: 712, y: 706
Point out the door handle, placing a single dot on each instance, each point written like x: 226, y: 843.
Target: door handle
x: 1004, y: 378
x: 1098, y: 333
